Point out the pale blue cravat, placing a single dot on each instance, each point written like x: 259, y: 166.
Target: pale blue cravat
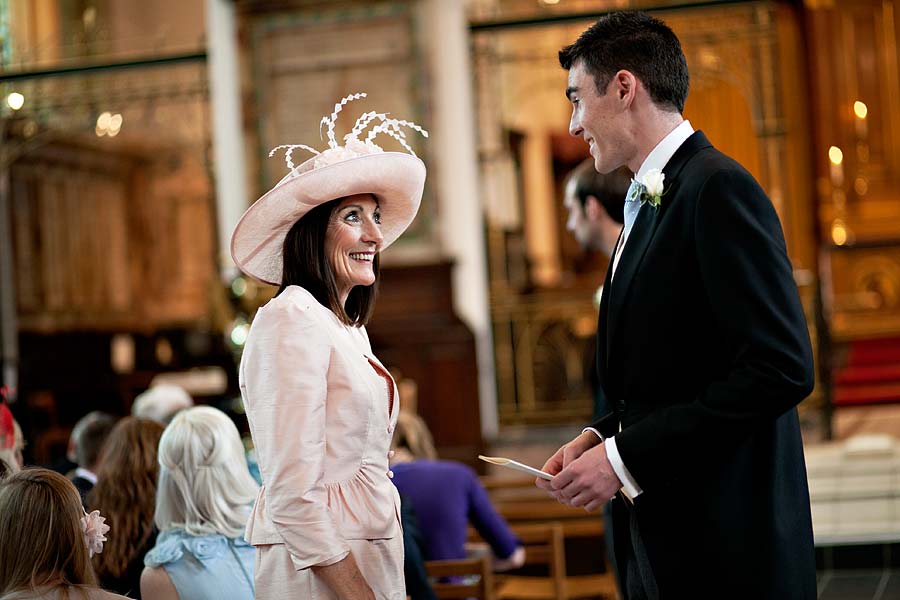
x: 632, y: 206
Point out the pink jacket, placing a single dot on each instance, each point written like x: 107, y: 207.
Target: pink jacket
x: 318, y: 412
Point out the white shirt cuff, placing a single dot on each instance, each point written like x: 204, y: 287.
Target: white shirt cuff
x: 629, y: 485
x: 599, y: 435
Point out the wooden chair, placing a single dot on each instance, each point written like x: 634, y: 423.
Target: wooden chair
x: 476, y: 580
x: 545, y: 545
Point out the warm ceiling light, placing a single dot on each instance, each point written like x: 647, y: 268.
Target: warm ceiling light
x: 835, y: 155
x: 15, y: 100
x: 108, y: 124
x: 860, y: 109
x: 838, y: 233
x: 115, y: 124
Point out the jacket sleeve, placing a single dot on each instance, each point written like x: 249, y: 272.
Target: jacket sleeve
x: 286, y: 379
x: 748, y: 281
x: 487, y: 521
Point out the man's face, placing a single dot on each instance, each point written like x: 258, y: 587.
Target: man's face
x: 577, y: 222
x: 597, y: 118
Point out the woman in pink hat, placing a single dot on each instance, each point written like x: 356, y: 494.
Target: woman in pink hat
x: 321, y: 407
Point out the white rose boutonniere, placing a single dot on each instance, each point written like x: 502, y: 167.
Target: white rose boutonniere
x: 653, y: 187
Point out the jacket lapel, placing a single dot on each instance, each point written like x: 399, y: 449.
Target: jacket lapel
x: 603, y: 314
x: 642, y: 232
x: 635, y: 247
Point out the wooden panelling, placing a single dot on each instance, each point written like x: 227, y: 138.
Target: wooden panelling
x: 864, y: 291
x: 105, y: 241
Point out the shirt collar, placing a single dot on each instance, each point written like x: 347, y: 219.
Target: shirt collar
x: 664, y: 150
x: 85, y: 474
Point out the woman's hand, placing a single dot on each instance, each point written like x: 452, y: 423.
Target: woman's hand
x: 345, y: 579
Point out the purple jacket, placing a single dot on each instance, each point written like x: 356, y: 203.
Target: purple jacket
x: 447, y: 496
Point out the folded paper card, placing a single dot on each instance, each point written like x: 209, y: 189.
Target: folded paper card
x: 508, y: 462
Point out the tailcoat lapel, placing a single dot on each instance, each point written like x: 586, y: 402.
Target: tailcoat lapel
x: 642, y: 233
x: 635, y: 247
x: 603, y: 313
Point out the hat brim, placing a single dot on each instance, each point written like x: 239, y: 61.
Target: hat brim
x: 396, y: 179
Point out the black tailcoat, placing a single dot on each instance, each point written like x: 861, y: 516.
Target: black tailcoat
x: 703, y: 353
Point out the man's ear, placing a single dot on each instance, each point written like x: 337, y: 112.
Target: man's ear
x: 625, y: 85
x: 592, y: 209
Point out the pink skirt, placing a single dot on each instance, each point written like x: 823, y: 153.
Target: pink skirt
x: 379, y: 561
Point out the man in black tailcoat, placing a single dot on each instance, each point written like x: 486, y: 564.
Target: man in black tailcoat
x: 703, y: 351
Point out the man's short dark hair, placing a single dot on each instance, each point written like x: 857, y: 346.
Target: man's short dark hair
x: 89, y: 434
x: 608, y: 188
x: 306, y: 264
x: 636, y: 42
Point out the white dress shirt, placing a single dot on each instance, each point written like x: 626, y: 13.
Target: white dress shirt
x: 85, y: 474
x: 657, y: 159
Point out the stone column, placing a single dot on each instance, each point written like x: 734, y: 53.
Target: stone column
x: 227, y: 129
x: 453, y: 148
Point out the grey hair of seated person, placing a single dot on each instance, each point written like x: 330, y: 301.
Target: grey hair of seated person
x: 204, y: 484
x: 161, y: 403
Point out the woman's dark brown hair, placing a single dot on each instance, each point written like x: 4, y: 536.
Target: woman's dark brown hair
x: 126, y: 493
x: 40, y: 526
x: 305, y: 264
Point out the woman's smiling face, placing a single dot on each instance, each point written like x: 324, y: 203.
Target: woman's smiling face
x: 352, y: 240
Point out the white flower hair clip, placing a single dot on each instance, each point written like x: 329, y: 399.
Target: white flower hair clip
x: 353, y: 145
x: 94, y: 528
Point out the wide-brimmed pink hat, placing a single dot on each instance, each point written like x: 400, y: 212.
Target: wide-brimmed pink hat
x: 396, y: 179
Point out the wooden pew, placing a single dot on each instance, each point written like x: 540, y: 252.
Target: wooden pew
x: 464, y: 578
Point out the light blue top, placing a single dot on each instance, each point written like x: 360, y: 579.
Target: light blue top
x: 209, y: 567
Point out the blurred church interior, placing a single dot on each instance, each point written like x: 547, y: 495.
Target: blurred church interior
x: 133, y: 135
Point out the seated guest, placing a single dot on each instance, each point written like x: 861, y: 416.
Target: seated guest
x: 160, y: 403
x: 47, y: 539
x: 11, y: 443
x: 202, y: 505
x: 446, y: 495
x: 85, y: 444
x: 126, y: 492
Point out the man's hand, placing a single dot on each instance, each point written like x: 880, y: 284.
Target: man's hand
x: 565, y: 455
x: 587, y: 481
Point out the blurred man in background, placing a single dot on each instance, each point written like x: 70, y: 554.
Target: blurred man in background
x: 595, y: 204
x: 85, y: 443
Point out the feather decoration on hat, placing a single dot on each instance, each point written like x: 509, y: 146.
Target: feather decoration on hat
x: 353, y: 145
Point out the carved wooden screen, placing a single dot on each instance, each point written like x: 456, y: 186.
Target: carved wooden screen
x: 106, y: 241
